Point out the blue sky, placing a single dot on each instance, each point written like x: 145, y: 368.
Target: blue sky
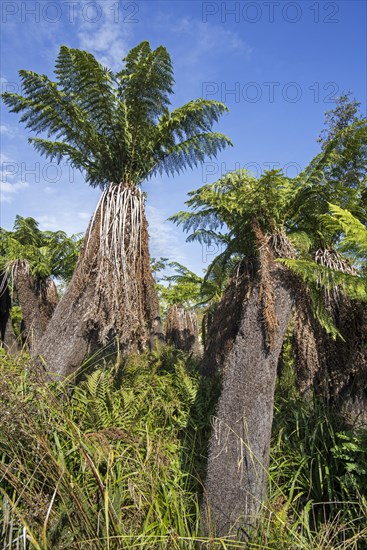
x: 276, y: 64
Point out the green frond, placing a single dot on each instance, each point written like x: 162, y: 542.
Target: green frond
x: 223, y: 262
x: 26, y: 231
x: 354, y: 233
x: 321, y: 314
x: 183, y: 274
x: 208, y: 236
x: 301, y: 240
x: 331, y: 155
x: 186, y: 121
x: 88, y: 84
x: 145, y: 82
x: 36, y: 258
x: 313, y: 273
x: 188, y: 153
x: 58, y: 150
x: 194, y: 220
x: 336, y: 175
x: 233, y: 202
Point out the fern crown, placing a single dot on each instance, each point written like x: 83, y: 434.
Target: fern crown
x: 116, y: 127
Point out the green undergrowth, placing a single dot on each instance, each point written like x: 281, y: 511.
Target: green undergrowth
x: 118, y: 461
x: 317, y: 475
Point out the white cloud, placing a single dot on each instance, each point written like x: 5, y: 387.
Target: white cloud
x: 203, y: 37
x: 9, y: 131
x: 215, y: 38
x: 55, y: 219
x: 84, y: 215
x: 8, y: 170
x: 163, y: 240
x: 4, y: 158
x: 106, y: 38
x: 48, y: 223
x: 8, y: 190
x: 60, y: 221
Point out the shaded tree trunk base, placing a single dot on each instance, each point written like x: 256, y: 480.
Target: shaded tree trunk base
x: 5, y: 305
x: 11, y: 342
x: 239, y: 347
x: 8, y: 339
x: 182, y: 329
x: 335, y: 370
x: 38, y: 299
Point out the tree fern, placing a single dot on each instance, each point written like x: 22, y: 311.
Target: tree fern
x: 118, y: 129
x: 226, y: 212
x: 350, y: 237
x: 46, y: 253
x: 223, y: 212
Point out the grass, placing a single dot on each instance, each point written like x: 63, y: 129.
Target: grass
x: 118, y: 460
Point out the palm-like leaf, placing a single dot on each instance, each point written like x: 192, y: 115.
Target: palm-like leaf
x: 116, y: 127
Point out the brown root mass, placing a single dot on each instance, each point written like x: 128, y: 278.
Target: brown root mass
x: 182, y: 329
x: 112, y: 296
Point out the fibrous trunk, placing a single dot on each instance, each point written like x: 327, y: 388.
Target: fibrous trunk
x: 334, y: 369
x: 112, y: 296
x: 37, y: 299
x: 352, y: 379
x: 182, y: 329
x: 305, y: 344
x: 205, y: 326
x: 245, y: 340
x: 11, y: 342
x: 5, y: 304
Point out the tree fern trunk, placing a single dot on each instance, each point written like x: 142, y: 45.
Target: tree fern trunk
x: 239, y: 448
x: 305, y: 345
x: 112, y: 295
x: 205, y: 326
x: 11, y: 342
x: 5, y: 304
x: 37, y: 299
x: 182, y: 329
x: 335, y: 370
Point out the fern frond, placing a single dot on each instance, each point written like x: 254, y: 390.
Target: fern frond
x: 354, y: 233
x: 207, y: 217
x: 190, y: 152
x: 311, y: 272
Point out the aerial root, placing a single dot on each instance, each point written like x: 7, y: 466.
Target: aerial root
x: 120, y: 211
